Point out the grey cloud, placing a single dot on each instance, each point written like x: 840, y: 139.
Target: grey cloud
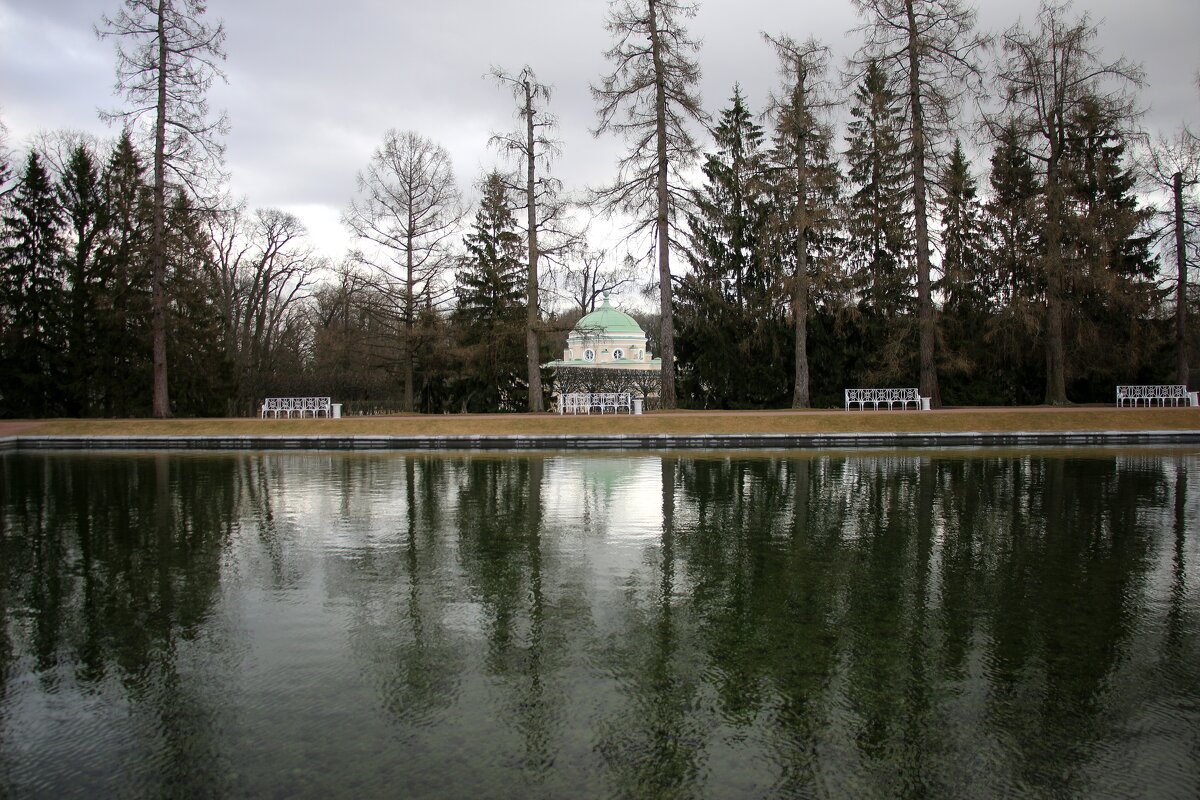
x: 313, y: 85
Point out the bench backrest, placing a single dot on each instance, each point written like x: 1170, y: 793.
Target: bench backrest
x: 883, y: 396
x: 582, y: 399
x: 297, y: 404
x: 1176, y: 391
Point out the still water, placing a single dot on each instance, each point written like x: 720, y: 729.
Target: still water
x: 649, y: 625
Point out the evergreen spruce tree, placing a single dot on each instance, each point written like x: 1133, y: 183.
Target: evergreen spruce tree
x: 31, y: 296
x: 490, y: 315
x: 203, y: 380
x: 732, y: 207
x: 1111, y: 288
x: 79, y: 192
x: 1112, y: 235
x: 964, y: 284
x: 879, y: 222
x: 966, y: 287
x: 733, y: 343
x: 1012, y: 253
x: 878, y: 210
x: 1013, y: 221
x: 122, y: 344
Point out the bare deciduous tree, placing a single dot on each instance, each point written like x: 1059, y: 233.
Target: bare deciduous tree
x: 805, y: 175
x: 534, y: 146
x: 262, y: 268
x: 1174, y: 166
x: 589, y: 276
x: 1048, y: 76
x: 407, y: 211
x: 932, y: 46
x: 649, y: 98
x: 167, y: 58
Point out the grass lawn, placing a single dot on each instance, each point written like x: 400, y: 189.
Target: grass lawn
x: 1082, y: 418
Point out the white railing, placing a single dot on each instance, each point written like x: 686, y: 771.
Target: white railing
x: 300, y: 406
x: 891, y: 397
x: 1161, y: 394
x: 603, y: 402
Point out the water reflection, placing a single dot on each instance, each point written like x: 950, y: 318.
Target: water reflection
x: 632, y: 626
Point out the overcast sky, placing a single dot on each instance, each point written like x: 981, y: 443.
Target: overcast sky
x: 313, y: 85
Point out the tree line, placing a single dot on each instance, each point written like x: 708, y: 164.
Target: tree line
x: 839, y: 236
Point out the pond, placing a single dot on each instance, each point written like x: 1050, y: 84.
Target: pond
x: 873, y: 624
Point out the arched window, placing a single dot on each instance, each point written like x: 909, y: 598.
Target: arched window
x: 589, y: 354
x: 618, y: 354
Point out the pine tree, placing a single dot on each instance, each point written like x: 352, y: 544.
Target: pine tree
x: 490, y: 314
x: 878, y: 211
x: 123, y: 286
x: 31, y: 296
x: 533, y: 145
x: 1111, y: 291
x: 878, y: 226
x: 732, y: 343
x: 1112, y: 235
x: 727, y: 228
x: 1013, y: 221
x: 964, y: 284
x: 80, y: 195
x: 968, y: 289
x: 1012, y: 253
x: 203, y: 379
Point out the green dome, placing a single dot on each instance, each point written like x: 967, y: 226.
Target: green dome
x: 607, y: 319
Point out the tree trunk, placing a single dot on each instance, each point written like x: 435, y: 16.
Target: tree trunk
x: 1056, y: 362
x: 410, y: 303
x: 800, y: 397
x: 927, y: 323
x: 1182, y: 371
x: 161, y: 402
x: 533, y: 349
x: 667, y: 330
x: 78, y: 402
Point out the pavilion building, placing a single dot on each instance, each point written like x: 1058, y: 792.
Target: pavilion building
x: 606, y: 352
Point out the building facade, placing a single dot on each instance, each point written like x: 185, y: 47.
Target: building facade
x: 606, y: 352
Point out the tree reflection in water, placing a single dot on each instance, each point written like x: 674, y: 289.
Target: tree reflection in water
x: 833, y: 624
x: 111, y: 567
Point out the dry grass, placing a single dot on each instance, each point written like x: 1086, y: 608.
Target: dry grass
x: 677, y: 422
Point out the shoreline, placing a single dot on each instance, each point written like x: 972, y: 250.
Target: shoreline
x: 614, y: 442
x: 1032, y: 426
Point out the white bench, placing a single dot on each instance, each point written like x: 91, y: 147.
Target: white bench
x: 889, y: 396
x: 300, y: 406
x: 584, y: 402
x: 1158, y: 394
